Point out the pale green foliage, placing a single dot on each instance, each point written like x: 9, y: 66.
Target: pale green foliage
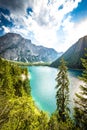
x: 17, y: 109
x: 25, y: 116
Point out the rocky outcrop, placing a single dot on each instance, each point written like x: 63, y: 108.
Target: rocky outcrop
x: 14, y: 47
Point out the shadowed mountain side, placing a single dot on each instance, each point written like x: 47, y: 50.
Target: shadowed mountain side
x: 73, y: 55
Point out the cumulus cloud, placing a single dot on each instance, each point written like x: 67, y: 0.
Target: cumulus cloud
x: 16, y: 6
x: 75, y: 31
x: 49, y: 24
x: 6, y: 29
x: 50, y: 14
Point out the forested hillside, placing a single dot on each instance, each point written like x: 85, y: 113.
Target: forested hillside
x: 17, y: 109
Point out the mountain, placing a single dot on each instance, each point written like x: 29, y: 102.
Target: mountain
x: 15, y: 47
x: 74, y: 54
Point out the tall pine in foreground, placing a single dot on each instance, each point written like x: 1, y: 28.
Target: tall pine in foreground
x: 81, y: 101
x: 62, y: 94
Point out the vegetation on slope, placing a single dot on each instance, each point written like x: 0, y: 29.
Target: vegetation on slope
x: 81, y: 101
x: 17, y: 108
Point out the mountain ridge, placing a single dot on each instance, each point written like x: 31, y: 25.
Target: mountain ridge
x: 14, y: 47
x: 73, y: 55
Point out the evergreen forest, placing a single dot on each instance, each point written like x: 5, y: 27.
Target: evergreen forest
x: 19, y: 112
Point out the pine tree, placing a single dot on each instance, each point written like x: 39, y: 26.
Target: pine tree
x: 62, y: 94
x: 81, y: 101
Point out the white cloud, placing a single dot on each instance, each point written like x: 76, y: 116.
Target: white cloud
x: 48, y: 26
x: 48, y: 14
x: 81, y: 28
x: 6, y: 29
x: 73, y: 32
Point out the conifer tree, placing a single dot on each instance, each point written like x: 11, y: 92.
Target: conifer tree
x: 81, y: 101
x: 62, y: 94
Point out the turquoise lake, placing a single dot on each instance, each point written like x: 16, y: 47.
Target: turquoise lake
x: 42, y: 81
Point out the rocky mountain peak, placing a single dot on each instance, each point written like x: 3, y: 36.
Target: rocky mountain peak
x: 15, y: 47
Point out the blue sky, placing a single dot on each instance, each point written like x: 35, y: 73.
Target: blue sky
x: 80, y: 12
x: 52, y: 23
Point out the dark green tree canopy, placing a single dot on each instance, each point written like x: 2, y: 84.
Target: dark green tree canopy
x: 81, y: 100
x: 62, y: 94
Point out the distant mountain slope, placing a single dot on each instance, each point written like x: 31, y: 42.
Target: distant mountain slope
x: 74, y: 54
x: 15, y: 47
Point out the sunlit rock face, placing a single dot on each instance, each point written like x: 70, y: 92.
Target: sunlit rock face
x: 15, y: 47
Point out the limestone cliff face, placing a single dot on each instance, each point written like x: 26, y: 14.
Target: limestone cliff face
x: 74, y: 54
x: 15, y: 47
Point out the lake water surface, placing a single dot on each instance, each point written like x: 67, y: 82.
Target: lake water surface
x: 42, y: 80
